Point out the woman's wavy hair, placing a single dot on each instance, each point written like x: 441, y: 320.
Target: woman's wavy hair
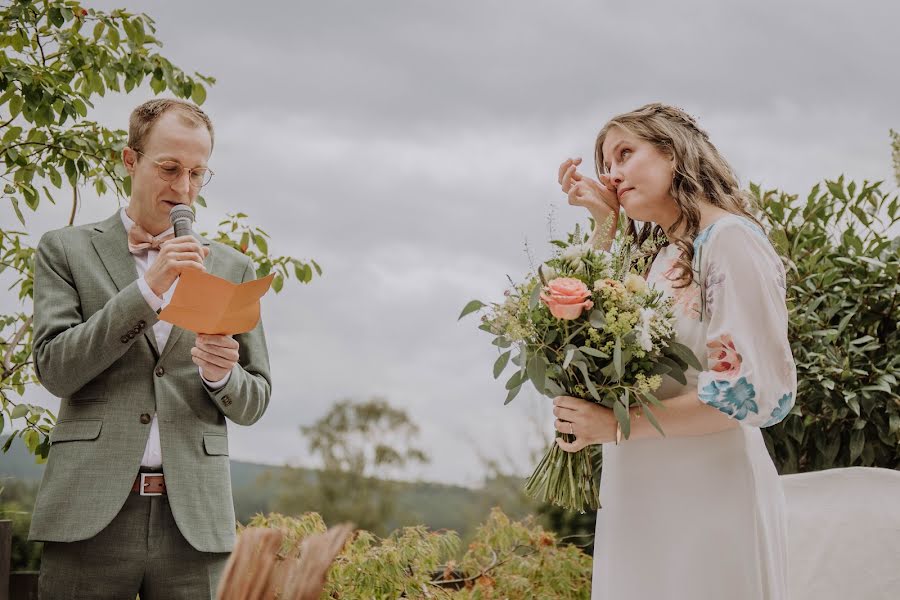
x: 700, y: 173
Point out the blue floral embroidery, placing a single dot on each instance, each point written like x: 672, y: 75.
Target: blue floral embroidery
x: 736, y: 397
x: 784, y: 405
x: 704, y: 234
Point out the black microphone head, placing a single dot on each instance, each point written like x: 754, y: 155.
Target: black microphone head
x: 182, y: 217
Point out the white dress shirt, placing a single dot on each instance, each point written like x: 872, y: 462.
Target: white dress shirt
x: 153, y: 452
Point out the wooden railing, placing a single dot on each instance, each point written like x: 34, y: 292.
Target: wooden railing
x: 14, y: 586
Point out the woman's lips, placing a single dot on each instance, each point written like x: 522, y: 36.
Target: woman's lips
x: 625, y: 191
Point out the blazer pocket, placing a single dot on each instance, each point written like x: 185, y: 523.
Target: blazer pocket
x: 76, y: 430
x: 215, y: 444
x: 93, y: 391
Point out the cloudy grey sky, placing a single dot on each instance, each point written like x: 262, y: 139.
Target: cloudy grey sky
x: 411, y: 149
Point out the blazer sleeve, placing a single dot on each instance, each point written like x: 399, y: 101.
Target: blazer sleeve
x: 70, y: 351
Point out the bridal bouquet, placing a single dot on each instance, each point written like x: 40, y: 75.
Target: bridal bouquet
x: 586, y: 324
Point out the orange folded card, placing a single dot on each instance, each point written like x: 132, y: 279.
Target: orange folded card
x: 204, y: 303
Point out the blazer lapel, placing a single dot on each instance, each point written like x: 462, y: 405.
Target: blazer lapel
x: 111, y: 244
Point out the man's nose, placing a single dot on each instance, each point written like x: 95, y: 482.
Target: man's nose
x: 182, y: 183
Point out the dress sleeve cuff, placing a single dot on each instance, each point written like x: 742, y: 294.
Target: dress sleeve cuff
x: 152, y: 299
x: 215, y: 385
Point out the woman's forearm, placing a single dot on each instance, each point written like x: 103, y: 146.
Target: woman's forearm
x: 680, y: 416
x: 599, y: 238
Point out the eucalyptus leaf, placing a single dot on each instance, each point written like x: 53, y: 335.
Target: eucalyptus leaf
x: 501, y: 363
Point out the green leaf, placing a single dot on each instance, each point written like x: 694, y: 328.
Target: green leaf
x: 652, y: 418
x: 512, y: 394
x: 501, y: 363
x: 112, y: 35
x: 19, y: 411
x: 553, y: 389
x: 15, y: 205
x: 261, y: 243
x: 597, y: 319
x: 198, y: 94
x: 685, y: 354
x: 617, y: 358
x: 570, y: 353
x: 31, y: 439
x: 471, y: 307
x: 593, y: 352
x: 278, y: 283
x: 517, y: 379
x: 587, y: 381
x: 857, y: 442
x: 11, y: 134
x: 623, y: 418
x: 537, y: 372
x: 535, y: 297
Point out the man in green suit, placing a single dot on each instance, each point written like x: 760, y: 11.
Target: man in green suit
x: 136, y: 495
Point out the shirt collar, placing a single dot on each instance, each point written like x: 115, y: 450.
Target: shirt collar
x: 128, y: 223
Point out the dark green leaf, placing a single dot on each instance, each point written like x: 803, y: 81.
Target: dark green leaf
x: 501, y: 363
x: 471, y: 307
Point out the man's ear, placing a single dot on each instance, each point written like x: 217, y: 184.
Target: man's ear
x: 129, y: 159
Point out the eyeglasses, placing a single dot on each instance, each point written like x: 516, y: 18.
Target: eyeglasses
x: 169, y: 170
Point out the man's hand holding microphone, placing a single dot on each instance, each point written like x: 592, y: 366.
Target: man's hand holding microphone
x: 216, y: 355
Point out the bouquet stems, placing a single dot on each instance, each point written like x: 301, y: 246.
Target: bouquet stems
x: 565, y: 479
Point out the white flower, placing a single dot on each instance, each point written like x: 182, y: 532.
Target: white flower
x: 576, y: 252
x: 643, y: 328
x: 635, y: 284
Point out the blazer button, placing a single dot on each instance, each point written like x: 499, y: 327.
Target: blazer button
x: 145, y: 418
x: 142, y: 324
x: 124, y: 339
x: 159, y: 371
x: 226, y: 401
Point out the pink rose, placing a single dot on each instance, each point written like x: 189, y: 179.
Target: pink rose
x: 566, y: 298
x: 726, y: 357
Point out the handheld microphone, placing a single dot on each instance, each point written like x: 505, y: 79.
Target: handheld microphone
x: 182, y: 217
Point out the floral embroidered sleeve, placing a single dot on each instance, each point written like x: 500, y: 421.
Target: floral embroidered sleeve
x: 750, y: 375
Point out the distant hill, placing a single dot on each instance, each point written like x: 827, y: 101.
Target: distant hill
x: 256, y: 486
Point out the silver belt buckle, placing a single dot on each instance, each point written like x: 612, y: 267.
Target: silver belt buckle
x: 144, y: 484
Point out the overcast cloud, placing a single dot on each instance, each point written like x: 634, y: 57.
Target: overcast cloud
x: 411, y: 149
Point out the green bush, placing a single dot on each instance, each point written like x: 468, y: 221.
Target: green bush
x: 507, y: 559
x: 842, y: 270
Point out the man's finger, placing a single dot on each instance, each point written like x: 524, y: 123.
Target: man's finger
x: 223, y: 341
x: 219, y: 361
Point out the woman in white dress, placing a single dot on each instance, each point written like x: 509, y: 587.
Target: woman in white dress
x: 700, y: 513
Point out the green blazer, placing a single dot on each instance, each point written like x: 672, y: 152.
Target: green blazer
x: 94, y: 348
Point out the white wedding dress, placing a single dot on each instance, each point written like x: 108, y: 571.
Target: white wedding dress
x: 704, y: 517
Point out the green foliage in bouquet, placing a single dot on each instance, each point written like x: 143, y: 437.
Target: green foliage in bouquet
x: 507, y: 559
x: 843, y: 268
x: 586, y: 324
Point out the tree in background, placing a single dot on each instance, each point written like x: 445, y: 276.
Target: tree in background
x: 361, y: 446
x: 55, y: 57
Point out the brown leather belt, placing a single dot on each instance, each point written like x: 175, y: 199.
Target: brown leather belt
x: 149, y: 484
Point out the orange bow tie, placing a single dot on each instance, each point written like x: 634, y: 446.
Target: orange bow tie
x: 139, y: 241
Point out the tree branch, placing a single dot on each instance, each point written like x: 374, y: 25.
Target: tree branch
x: 7, y: 368
x: 74, y: 205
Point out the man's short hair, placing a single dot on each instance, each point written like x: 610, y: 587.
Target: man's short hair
x: 144, y: 116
